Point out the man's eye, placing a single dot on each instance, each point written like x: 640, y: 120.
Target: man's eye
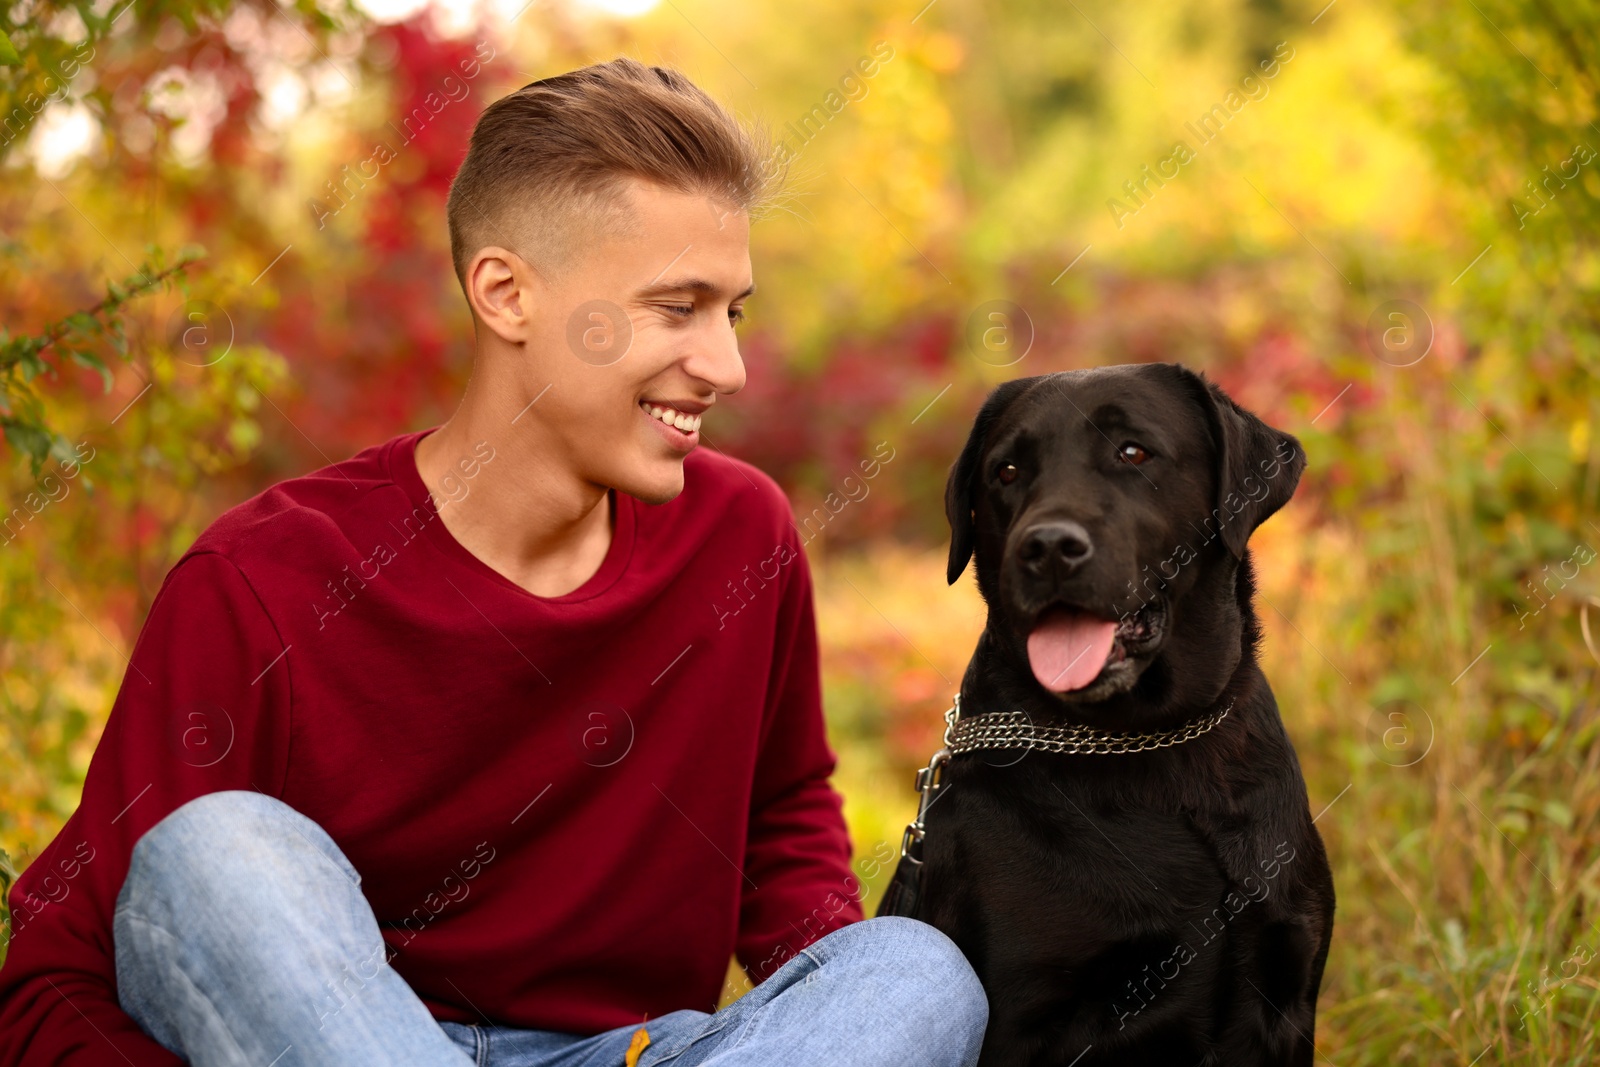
x: 1133, y: 452
x: 736, y: 315
x: 684, y: 310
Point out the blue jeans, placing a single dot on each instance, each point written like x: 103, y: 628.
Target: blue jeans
x: 239, y: 914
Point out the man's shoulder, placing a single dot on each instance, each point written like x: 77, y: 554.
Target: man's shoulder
x: 302, y: 513
x: 718, y: 481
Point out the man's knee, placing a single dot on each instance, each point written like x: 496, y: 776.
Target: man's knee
x: 240, y: 916
x: 239, y: 882
x: 949, y: 975
x: 224, y: 849
x: 936, y: 982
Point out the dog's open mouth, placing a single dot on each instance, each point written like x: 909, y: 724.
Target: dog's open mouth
x: 1068, y: 647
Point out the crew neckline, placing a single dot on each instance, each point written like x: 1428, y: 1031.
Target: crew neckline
x: 402, y: 468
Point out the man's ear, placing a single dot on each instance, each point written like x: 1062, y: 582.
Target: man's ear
x: 1258, y: 467
x: 499, y: 286
x: 961, y: 487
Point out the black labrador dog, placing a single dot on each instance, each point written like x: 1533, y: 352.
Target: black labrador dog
x: 1147, y: 887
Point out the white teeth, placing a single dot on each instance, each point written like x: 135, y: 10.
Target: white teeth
x: 672, y: 417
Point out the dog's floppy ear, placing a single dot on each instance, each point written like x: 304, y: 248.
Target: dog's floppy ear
x: 1258, y: 468
x: 958, y: 490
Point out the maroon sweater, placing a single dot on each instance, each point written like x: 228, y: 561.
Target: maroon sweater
x: 567, y: 812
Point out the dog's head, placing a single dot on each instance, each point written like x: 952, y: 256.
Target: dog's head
x: 1109, y: 510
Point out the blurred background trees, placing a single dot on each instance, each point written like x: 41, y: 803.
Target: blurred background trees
x: 1380, y: 235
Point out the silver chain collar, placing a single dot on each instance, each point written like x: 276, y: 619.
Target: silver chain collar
x: 1013, y: 729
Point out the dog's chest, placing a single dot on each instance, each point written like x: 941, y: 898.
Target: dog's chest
x: 1062, y: 887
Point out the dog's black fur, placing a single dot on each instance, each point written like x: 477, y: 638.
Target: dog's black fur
x: 1165, y: 907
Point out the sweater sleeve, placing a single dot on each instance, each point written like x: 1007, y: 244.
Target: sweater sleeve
x: 203, y: 707
x: 798, y: 851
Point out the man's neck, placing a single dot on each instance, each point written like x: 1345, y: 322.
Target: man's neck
x: 524, y: 513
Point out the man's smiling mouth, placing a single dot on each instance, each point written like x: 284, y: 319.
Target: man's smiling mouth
x: 678, y: 420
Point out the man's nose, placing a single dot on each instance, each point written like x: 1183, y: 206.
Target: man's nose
x: 716, y: 359
x: 1054, y: 549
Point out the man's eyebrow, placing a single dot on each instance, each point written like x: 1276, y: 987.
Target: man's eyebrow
x: 688, y: 285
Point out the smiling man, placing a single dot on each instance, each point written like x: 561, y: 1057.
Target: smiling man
x: 435, y: 755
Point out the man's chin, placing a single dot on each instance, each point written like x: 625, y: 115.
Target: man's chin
x: 660, y: 482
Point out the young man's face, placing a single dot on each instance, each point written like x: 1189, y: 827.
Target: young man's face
x: 636, y: 328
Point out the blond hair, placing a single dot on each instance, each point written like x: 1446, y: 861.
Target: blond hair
x: 546, y: 165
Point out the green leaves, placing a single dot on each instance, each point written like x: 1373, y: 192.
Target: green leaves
x: 7, y: 873
x: 92, y: 362
x: 77, y: 338
x: 28, y: 439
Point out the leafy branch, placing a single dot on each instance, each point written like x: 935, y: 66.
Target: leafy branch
x: 78, y: 337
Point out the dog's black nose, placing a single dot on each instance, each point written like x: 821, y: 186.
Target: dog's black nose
x: 1055, y: 547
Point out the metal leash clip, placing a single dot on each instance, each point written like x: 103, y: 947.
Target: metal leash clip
x: 930, y: 780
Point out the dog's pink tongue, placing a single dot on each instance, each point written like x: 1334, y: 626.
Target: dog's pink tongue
x: 1068, y: 649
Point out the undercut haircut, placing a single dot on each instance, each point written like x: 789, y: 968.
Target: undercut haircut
x: 545, y: 170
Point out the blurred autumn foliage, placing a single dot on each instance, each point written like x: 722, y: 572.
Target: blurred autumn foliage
x: 223, y: 261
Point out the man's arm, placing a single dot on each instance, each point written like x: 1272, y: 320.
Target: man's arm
x: 798, y: 853
x: 203, y: 707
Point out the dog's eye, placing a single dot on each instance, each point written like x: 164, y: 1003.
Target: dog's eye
x: 1006, y: 473
x: 1132, y: 452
